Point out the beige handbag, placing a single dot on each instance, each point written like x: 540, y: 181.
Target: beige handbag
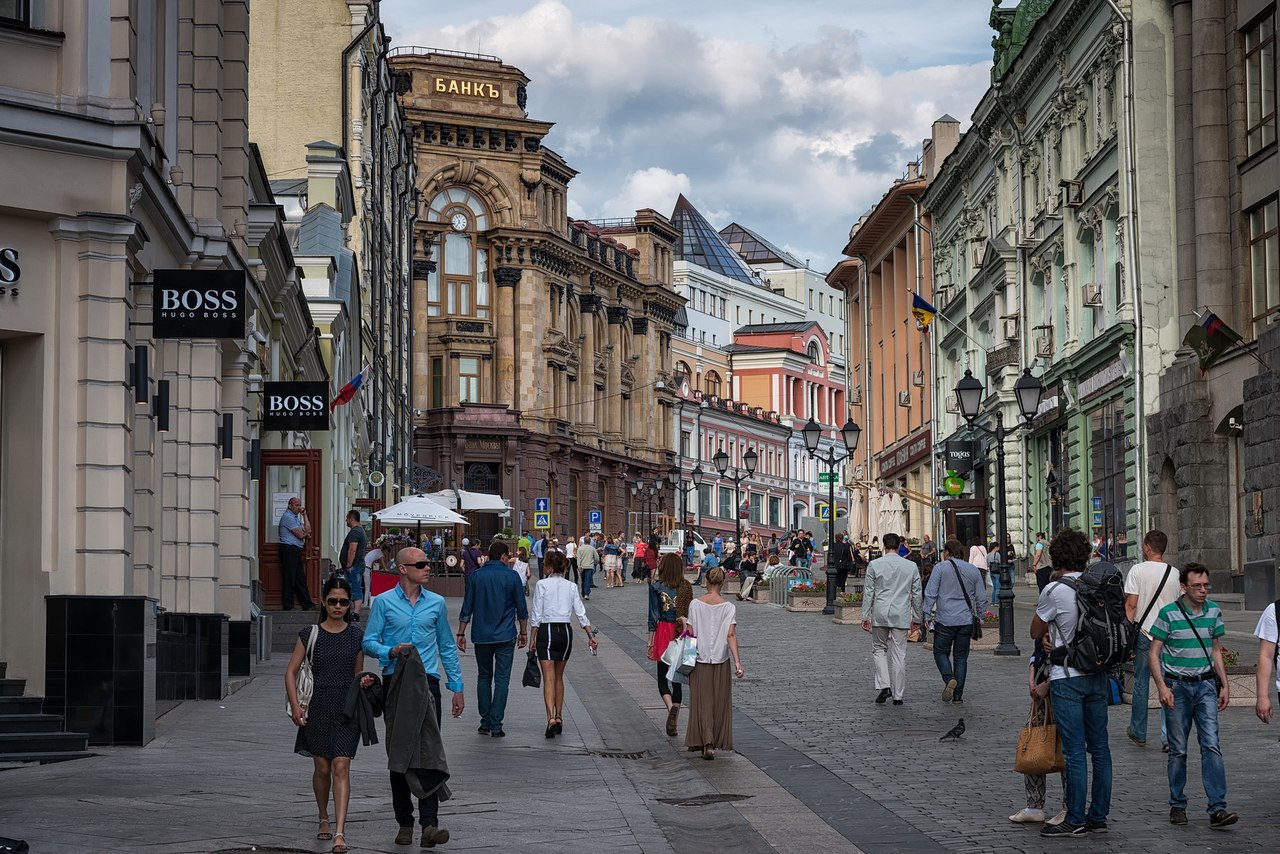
x: 306, y: 679
x: 1039, y: 748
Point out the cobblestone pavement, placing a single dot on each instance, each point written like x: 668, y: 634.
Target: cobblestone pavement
x: 809, y: 685
x: 818, y: 766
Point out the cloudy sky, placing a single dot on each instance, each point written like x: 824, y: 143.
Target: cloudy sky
x: 789, y: 116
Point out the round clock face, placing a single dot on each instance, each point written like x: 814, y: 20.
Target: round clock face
x: 459, y: 221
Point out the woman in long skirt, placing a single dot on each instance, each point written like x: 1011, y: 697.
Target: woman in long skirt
x: 713, y: 620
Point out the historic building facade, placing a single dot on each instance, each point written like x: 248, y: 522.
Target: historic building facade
x: 1045, y: 260
x: 543, y: 365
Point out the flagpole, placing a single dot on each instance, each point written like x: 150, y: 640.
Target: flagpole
x: 1239, y: 339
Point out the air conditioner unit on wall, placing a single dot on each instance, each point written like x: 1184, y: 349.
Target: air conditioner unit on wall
x: 1093, y: 295
x: 953, y: 403
x: 1073, y: 193
x: 1044, y: 345
x: 855, y: 396
x: 979, y: 250
x: 917, y: 379
x: 904, y: 398
x: 1011, y: 329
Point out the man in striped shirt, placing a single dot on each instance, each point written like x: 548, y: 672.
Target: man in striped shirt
x: 1186, y: 660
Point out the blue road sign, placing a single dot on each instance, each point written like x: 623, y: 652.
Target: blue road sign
x: 542, y: 505
x: 594, y: 517
x: 1097, y: 502
x: 1097, y: 519
x: 542, y: 521
x: 824, y: 512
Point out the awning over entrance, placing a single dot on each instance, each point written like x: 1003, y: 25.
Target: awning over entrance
x: 471, y: 502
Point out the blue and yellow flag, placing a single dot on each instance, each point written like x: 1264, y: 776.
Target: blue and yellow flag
x: 923, y: 312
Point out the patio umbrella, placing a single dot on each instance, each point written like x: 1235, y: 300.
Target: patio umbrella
x: 471, y: 502
x: 419, y: 510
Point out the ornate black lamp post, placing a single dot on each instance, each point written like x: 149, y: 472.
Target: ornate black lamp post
x: 673, y: 477
x: 721, y: 462
x: 648, y: 500
x: 969, y: 393
x: 812, y: 433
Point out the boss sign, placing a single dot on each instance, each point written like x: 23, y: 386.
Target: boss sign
x: 295, y: 406
x: 198, y: 304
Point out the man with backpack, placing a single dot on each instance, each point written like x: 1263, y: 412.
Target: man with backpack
x: 1149, y: 586
x: 1186, y: 658
x: 1079, y: 695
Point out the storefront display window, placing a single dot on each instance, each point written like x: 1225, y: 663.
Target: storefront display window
x: 1108, y: 506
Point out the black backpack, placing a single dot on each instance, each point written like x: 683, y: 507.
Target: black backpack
x: 1105, y: 636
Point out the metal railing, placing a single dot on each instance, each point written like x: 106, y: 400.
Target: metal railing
x: 414, y: 50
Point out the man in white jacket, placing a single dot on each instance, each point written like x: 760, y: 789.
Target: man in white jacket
x: 891, y: 605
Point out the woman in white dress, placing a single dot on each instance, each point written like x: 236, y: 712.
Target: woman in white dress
x: 713, y: 620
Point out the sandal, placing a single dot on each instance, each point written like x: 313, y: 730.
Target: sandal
x: 340, y: 847
x: 324, y: 829
x: 559, y: 726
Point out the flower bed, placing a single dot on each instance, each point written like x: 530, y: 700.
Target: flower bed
x: 807, y: 596
x: 848, y: 609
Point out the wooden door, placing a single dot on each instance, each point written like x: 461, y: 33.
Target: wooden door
x: 286, y: 473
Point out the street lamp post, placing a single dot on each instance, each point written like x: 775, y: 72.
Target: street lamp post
x: 673, y: 477
x: 1027, y: 391
x: 648, y: 500
x: 812, y: 433
x: 721, y: 462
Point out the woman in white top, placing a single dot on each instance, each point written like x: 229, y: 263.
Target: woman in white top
x: 555, y: 601
x: 978, y: 557
x: 521, y: 565
x: 713, y: 620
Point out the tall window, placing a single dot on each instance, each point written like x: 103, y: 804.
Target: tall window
x: 1107, y: 434
x: 775, y: 512
x: 1260, y: 83
x: 460, y: 285
x: 712, y: 383
x: 682, y: 367
x: 437, y: 382
x: 468, y: 380
x: 685, y: 441
x: 704, y: 499
x: 1263, y: 264
x: 757, y: 508
x: 726, y: 502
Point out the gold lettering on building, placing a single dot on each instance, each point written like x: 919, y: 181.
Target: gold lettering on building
x: 469, y: 88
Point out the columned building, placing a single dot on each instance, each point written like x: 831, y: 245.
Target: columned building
x: 543, y: 359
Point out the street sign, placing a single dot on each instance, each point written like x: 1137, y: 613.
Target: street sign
x: 542, y: 521
x: 1097, y: 518
x: 824, y: 512
x: 542, y: 505
x: 826, y: 477
x: 1097, y: 505
x: 596, y: 520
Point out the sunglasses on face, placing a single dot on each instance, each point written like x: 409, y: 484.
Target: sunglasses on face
x: 338, y: 602
x: 422, y: 564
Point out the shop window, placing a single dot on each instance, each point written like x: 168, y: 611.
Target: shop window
x: 469, y: 380
x: 1260, y: 84
x: 437, y: 383
x: 726, y: 503
x: 1108, y: 506
x: 1263, y: 265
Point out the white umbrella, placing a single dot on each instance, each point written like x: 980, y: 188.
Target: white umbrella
x: 471, y: 502
x: 418, y: 510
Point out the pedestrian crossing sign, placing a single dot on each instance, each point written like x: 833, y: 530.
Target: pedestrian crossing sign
x: 824, y: 512
x: 542, y: 521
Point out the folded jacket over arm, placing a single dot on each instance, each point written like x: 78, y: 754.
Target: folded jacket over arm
x: 414, y: 746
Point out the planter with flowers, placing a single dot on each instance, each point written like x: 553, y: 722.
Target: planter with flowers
x: 990, y: 632
x: 732, y: 583
x: 1242, y: 678
x: 848, y: 609
x: 807, y: 596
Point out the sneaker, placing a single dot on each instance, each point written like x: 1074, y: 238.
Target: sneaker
x: 1092, y: 826
x: 484, y: 730
x: 498, y: 734
x: 1057, y: 819
x: 949, y: 691
x: 897, y: 702
x: 957, y: 701
x: 1222, y: 818
x: 1027, y: 816
x: 433, y: 836
x: 1141, y: 742
x: 405, y: 836
x: 1164, y: 748
x: 1062, y: 830
x: 884, y: 694
x: 1177, y: 815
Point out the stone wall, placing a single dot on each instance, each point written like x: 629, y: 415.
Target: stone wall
x: 1262, y: 447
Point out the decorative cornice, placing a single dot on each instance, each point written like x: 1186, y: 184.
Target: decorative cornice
x: 422, y: 268
x: 617, y: 314
x: 506, y: 277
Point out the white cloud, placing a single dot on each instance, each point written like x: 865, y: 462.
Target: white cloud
x: 793, y: 130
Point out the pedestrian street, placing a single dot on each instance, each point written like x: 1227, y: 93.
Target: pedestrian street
x: 818, y: 765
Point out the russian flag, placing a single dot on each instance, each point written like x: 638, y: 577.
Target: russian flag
x: 349, y: 390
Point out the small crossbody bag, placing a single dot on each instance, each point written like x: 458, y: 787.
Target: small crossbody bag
x: 1219, y: 679
x: 977, y: 621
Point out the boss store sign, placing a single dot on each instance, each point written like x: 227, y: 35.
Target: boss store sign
x: 198, y: 304
x: 295, y: 406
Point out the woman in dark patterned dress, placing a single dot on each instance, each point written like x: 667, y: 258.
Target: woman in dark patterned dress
x: 330, y: 742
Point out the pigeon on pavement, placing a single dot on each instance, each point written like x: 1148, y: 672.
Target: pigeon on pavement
x: 955, y: 732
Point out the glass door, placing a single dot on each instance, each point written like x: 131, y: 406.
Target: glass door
x: 288, y: 474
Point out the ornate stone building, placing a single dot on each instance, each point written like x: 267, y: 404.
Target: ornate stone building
x: 542, y: 345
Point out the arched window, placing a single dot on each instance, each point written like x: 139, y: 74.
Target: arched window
x: 460, y: 283
x: 682, y: 368
x: 815, y: 353
x: 481, y: 477
x: 711, y: 383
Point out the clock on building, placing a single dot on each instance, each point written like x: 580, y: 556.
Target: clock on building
x: 459, y: 221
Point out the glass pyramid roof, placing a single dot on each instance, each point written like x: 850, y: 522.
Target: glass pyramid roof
x: 701, y: 244
x: 754, y: 249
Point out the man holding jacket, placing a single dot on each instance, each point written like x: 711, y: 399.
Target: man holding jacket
x: 891, y: 605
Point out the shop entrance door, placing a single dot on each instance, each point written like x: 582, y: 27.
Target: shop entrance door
x: 285, y: 474
x: 966, y: 520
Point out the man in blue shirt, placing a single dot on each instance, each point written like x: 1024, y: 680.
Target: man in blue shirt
x: 405, y: 618
x: 954, y: 595
x: 294, y: 530
x: 495, y: 601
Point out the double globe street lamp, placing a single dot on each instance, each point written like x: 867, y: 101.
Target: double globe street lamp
x: 648, y: 499
x: 812, y: 433
x: 1027, y: 391
x: 673, y: 475
x: 721, y: 462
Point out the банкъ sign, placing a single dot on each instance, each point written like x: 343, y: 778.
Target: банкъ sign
x: 10, y: 272
x: 472, y: 88
x: 198, y: 304
x: 295, y: 406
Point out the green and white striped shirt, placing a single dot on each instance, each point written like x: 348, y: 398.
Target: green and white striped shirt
x: 1182, y: 653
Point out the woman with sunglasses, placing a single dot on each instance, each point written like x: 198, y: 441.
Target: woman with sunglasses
x: 336, y: 659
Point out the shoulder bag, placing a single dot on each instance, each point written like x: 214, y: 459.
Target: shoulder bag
x: 306, y: 682
x: 1039, y: 748
x: 1220, y: 679
x: 977, y: 620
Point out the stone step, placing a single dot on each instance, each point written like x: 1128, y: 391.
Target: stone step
x: 21, y: 705
x: 12, y: 687
x: 8, y: 760
x: 30, y: 723
x: 42, y: 742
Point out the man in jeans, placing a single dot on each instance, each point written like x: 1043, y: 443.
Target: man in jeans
x: 588, y: 558
x: 1149, y: 586
x: 1079, y: 699
x: 956, y: 593
x: 1186, y: 658
x: 493, y: 603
